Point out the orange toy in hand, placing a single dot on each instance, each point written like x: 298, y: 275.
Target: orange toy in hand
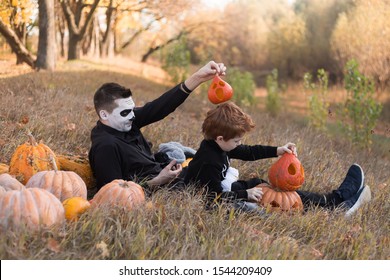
x: 219, y: 91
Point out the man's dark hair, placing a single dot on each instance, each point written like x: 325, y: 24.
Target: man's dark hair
x: 105, y: 96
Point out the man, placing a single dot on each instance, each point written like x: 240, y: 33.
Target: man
x: 119, y: 150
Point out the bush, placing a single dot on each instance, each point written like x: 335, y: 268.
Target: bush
x: 176, y: 61
x: 361, y: 111
x: 318, y: 105
x: 243, y: 86
x: 273, y: 102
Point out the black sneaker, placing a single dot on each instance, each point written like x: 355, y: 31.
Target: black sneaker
x: 353, y: 182
x: 355, y: 202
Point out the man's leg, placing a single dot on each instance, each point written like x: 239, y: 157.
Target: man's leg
x: 330, y: 200
x: 350, y: 195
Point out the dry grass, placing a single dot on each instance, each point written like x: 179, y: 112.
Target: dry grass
x: 57, y: 108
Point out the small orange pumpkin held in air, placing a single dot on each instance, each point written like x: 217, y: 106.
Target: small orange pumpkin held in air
x: 120, y: 193
x: 74, y: 207
x: 276, y: 200
x: 219, y: 91
x: 287, y: 173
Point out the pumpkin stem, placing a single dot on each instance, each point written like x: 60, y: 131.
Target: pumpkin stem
x: 53, y: 162
x: 31, y: 138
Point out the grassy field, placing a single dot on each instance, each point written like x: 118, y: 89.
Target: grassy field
x: 58, y: 109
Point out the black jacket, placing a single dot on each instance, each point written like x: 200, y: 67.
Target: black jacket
x: 127, y: 155
x: 210, y: 164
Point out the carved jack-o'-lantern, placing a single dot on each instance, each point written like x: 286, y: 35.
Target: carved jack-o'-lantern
x: 274, y: 199
x: 219, y: 91
x: 287, y: 173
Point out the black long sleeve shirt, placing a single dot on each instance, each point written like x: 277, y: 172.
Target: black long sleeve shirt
x: 210, y: 164
x: 127, y: 155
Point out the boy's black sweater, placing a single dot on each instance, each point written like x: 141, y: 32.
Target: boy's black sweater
x: 127, y: 155
x: 210, y: 164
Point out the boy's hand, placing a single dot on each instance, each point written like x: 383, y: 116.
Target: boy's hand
x: 255, y: 194
x: 288, y: 148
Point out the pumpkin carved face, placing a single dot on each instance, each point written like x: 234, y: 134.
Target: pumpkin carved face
x: 219, y: 91
x: 287, y: 173
x: 276, y: 200
x: 120, y: 193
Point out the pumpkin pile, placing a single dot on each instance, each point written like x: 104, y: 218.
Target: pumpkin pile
x: 286, y: 175
x: 40, y: 189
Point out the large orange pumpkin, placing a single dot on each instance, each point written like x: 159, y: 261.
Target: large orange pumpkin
x: 30, y: 158
x: 219, y: 91
x: 287, y: 173
x: 277, y: 200
x: 120, y: 193
x: 79, y: 165
x: 33, y: 208
x: 9, y: 183
x: 74, y: 207
x: 63, y: 184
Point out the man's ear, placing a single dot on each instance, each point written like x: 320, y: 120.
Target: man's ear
x: 103, y: 114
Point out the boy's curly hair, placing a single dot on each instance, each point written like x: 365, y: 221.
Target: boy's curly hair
x: 226, y: 120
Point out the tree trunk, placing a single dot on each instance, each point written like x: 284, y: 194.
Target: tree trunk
x: 73, y: 47
x: 77, y: 28
x: 47, y: 44
x: 156, y: 48
x: 16, y: 45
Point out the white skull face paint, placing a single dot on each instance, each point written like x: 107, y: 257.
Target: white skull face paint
x: 122, y: 116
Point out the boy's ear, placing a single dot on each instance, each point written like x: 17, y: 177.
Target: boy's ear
x: 103, y: 114
x: 219, y: 138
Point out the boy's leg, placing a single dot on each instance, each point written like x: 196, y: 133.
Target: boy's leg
x: 251, y: 207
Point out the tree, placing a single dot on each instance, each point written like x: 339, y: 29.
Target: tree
x: 15, y: 19
x: 46, y: 45
x: 320, y: 18
x: 78, y: 15
x: 161, y: 22
x: 16, y: 45
x: 363, y: 34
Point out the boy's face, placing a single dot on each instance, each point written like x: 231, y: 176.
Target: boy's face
x: 229, y: 144
x: 121, y: 118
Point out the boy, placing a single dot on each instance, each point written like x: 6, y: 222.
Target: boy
x: 223, y: 129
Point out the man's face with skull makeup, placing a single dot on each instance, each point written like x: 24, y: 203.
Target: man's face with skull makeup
x: 121, y: 118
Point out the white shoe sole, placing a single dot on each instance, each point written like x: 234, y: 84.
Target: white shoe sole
x: 364, y: 197
x: 361, y: 170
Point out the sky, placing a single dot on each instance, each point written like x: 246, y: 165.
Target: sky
x: 216, y: 3
x: 222, y: 3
